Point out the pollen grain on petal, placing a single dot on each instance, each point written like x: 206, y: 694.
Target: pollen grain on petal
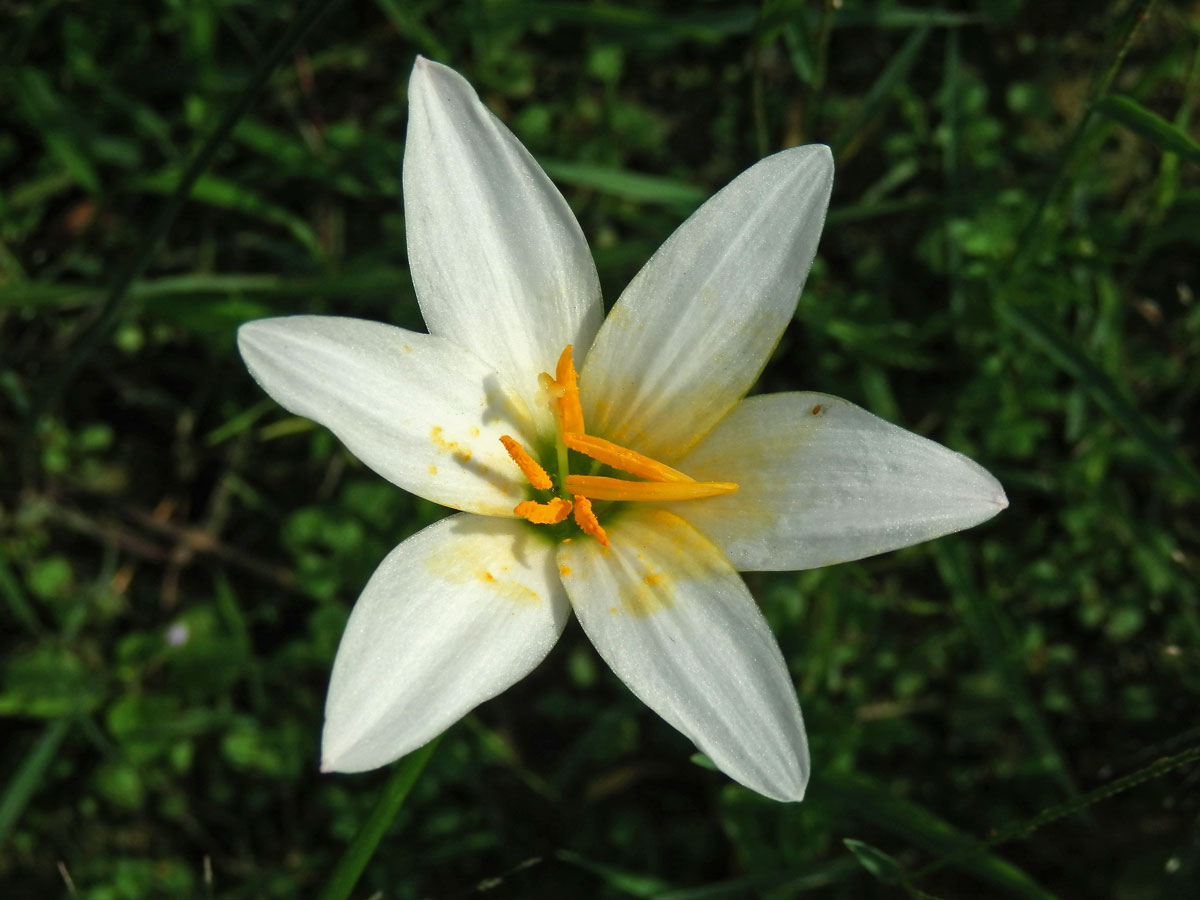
x: 623, y: 458
x: 598, y: 487
x: 550, y: 513
x: 586, y: 519
x: 528, y: 465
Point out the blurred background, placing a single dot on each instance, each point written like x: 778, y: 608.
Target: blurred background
x: 1009, y: 267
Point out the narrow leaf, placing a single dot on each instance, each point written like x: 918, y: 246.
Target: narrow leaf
x: 878, y: 97
x: 28, y: 775
x: 303, y: 20
x: 774, y: 884
x: 880, y: 864
x: 358, y: 854
x: 225, y: 194
x: 18, y: 604
x: 1102, y: 389
x: 993, y: 634
x: 1168, y: 137
x: 875, y: 803
x: 635, y: 884
x: 630, y: 185
x: 56, y: 123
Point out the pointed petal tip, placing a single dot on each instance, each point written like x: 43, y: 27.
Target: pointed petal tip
x: 794, y: 784
x: 426, y: 71
x: 794, y: 796
x: 329, y: 757
x: 250, y: 335
x: 816, y: 156
x: 790, y: 791
x: 349, y: 759
x: 418, y: 80
x: 784, y: 787
x: 993, y: 494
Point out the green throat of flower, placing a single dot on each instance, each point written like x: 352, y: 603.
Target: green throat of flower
x: 573, y: 494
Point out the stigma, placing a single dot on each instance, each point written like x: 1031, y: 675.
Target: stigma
x: 657, y: 482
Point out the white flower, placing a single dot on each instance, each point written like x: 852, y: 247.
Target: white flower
x: 690, y: 482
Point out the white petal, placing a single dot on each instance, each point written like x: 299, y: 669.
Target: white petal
x: 693, y: 330
x: 672, y: 618
x: 419, y: 410
x: 821, y: 481
x: 498, y: 260
x: 452, y: 617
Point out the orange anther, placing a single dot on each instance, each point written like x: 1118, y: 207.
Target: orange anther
x: 535, y: 474
x: 544, y: 513
x: 622, y: 458
x: 600, y: 488
x: 570, y: 413
x: 587, y: 521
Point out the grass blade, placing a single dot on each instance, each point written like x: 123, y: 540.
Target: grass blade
x: 992, y: 632
x: 635, y: 884
x: 358, y: 854
x: 1167, y: 137
x: 56, y: 124
x: 876, y: 803
x: 18, y: 604
x: 876, y: 98
x: 1102, y: 389
x: 774, y: 884
x: 229, y: 195
x: 1054, y: 813
x: 28, y: 776
x: 305, y: 19
x: 157, y: 293
x: 630, y: 185
x: 1025, y: 243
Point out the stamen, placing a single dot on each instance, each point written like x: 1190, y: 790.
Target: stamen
x: 600, y: 488
x: 569, y: 411
x: 544, y: 513
x: 587, y: 521
x: 529, y: 467
x: 622, y: 458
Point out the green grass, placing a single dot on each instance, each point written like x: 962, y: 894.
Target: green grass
x: 1009, y: 267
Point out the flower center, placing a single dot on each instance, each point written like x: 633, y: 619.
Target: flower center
x: 575, y: 493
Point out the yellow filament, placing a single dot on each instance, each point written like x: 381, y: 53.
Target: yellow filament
x: 528, y: 465
x: 570, y: 413
x: 622, y: 458
x: 600, y: 488
x: 544, y: 513
x: 587, y: 521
